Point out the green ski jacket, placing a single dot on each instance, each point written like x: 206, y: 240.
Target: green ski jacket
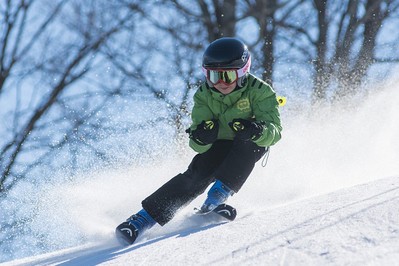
x: 255, y: 101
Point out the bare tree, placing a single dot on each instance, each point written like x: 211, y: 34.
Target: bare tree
x: 358, y: 30
x: 51, y: 68
x: 216, y: 18
x: 62, y: 52
x: 345, y: 46
x: 265, y: 14
x: 14, y: 45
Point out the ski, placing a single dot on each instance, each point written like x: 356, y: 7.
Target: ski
x: 224, y: 210
x: 127, y: 233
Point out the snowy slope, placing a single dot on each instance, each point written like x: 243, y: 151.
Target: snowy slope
x: 357, y: 226
x: 306, y: 207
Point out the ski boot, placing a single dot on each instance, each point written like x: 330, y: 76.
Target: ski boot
x: 128, y: 231
x: 217, y: 195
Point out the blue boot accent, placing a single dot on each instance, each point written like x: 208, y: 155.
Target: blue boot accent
x: 141, y: 221
x: 217, y: 195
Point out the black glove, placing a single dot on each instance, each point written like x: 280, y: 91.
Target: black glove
x: 205, y: 133
x: 246, y: 129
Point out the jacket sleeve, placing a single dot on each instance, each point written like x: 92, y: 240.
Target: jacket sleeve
x: 265, y: 109
x: 200, y: 112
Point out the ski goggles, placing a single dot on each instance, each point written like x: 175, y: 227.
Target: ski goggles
x: 227, y: 76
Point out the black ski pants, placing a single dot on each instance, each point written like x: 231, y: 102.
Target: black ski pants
x: 230, y: 161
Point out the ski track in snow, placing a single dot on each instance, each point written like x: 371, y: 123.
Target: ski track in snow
x: 356, y: 226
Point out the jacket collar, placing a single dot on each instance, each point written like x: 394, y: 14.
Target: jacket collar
x: 229, y: 99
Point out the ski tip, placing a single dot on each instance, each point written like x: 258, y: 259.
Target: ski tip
x: 126, y: 234
x: 224, y: 210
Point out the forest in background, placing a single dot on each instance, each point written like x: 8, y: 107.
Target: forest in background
x: 87, y: 84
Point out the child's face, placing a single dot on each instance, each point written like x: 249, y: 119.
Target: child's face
x: 224, y: 88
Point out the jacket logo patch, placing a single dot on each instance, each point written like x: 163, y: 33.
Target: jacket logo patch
x: 243, y: 105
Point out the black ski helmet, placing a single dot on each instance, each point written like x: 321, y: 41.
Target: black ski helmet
x: 226, y: 53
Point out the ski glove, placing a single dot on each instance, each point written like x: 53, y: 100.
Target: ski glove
x: 205, y: 133
x: 246, y: 129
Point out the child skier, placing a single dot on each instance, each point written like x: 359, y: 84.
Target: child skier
x: 235, y: 119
